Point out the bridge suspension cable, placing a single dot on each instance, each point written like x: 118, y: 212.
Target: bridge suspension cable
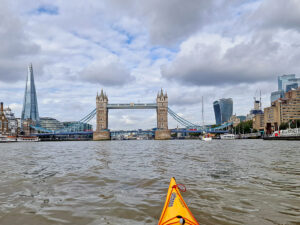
x: 182, y: 121
x: 75, y: 127
x: 191, y: 125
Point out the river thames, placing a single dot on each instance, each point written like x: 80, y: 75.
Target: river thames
x: 125, y: 182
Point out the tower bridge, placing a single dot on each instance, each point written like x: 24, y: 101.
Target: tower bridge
x: 102, y: 109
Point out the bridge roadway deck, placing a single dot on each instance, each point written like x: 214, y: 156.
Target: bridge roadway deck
x: 114, y: 132
x: 132, y: 106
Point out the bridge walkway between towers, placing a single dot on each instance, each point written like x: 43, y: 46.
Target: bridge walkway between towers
x: 132, y: 106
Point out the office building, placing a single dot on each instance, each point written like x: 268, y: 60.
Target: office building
x: 50, y: 123
x: 223, y: 110
x: 282, y: 111
x: 284, y: 80
x: 285, y: 84
x: 30, y: 105
x: 78, y: 126
x: 292, y: 86
x: 276, y: 95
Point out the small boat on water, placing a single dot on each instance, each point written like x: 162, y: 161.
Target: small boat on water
x: 175, y: 210
x: 206, y: 137
x: 227, y: 136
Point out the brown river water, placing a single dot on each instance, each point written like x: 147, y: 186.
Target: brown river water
x: 125, y: 182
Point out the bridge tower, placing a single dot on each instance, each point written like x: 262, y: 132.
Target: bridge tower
x: 102, y: 132
x: 162, y: 132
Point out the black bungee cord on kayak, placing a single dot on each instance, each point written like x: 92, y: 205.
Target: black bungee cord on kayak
x: 181, y: 221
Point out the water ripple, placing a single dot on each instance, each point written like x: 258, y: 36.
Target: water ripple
x: 125, y: 182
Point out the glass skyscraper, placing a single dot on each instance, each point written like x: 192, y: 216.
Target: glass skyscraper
x: 30, y: 105
x: 223, y: 110
x: 284, y: 80
x: 276, y: 95
x: 292, y: 86
x: 285, y: 84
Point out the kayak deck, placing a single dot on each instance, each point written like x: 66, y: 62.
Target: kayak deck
x: 175, y: 210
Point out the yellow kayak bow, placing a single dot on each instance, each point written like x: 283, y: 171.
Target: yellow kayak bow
x: 175, y: 209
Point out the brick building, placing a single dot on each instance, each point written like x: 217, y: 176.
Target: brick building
x: 282, y: 110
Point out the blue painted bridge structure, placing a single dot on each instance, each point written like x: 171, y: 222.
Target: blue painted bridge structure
x: 190, y: 127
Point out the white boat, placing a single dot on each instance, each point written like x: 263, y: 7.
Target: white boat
x: 28, y: 139
x: 227, y: 136
x: 295, y: 132
x: 4, y: 139
x: 206, y: 138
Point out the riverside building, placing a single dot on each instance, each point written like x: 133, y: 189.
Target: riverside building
x: 78, y: 126
x: 282, y: 110
x: 12, y: 122
x: 285, y: 84
x: 49, y: 123
x: 258, y: 122
x: 8, y: 122
x: 3, y: 121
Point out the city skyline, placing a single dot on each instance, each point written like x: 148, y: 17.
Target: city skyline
x: 132, y: 54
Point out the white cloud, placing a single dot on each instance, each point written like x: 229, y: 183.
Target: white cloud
x: 132, y: 49
x: 16, y: 48
x: 108, y: 72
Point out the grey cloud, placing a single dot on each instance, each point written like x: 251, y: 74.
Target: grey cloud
x: 172, y: 21
x: 277, y: 14
x: 16, y: 49
x: 110, y: 73
x: 259, y: 59
x: 190, y: 97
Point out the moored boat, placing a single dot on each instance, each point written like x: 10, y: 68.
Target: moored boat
x: 4, y: 139
x: 28, y: 139
x: 227, y: 137
x: 288, y: 134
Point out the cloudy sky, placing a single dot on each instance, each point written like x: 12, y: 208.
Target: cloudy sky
x: 132, y: 48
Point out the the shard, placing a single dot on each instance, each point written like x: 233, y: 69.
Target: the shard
x: 30, y: 105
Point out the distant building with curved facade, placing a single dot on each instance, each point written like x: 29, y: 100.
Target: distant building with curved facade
x: 223, y: 109
x: 77, y: 126
x: 50, y: 123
